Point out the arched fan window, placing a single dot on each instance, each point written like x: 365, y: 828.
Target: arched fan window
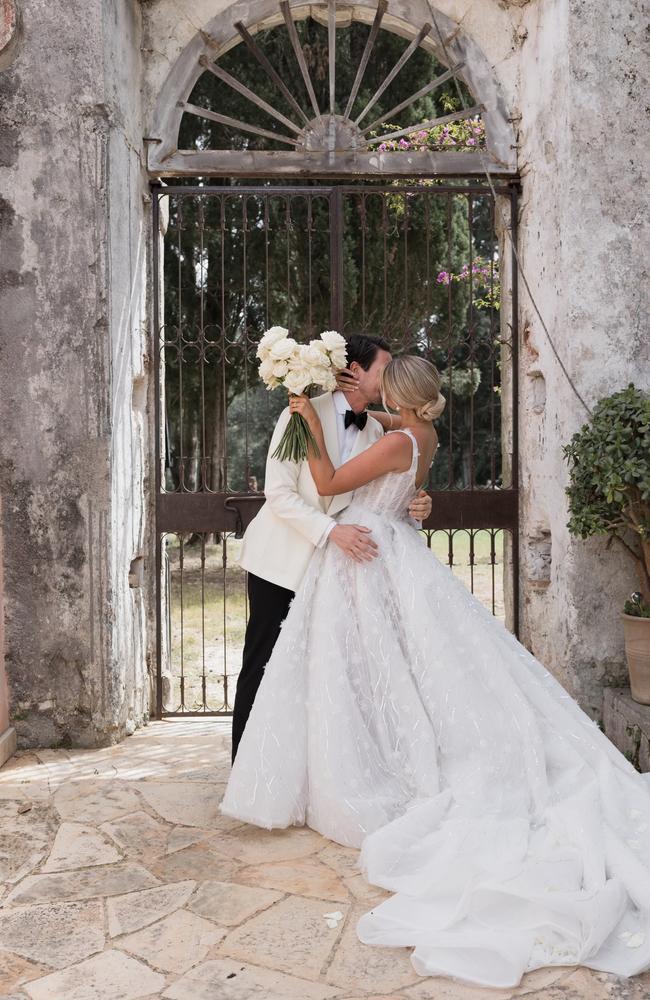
x: 329, y: 90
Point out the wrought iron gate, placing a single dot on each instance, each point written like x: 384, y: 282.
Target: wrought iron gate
x: 417, y: 264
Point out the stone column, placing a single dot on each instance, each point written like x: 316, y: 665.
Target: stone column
x: 584, y: 230
x: 7, y: 731
x: 74, y: 374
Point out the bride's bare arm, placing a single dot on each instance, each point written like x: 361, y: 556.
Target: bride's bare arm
x: 389, y: 421
x: 390, y: 454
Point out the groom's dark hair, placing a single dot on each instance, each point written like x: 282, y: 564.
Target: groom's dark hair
x: 364, y: 349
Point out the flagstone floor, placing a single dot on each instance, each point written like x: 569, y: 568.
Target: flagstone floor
x: 120, y: 879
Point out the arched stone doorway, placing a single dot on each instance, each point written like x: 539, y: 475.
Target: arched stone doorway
x: 76, y: 468
x: 339, y: 139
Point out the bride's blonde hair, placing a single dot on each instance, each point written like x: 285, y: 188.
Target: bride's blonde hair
x: 413, y: 383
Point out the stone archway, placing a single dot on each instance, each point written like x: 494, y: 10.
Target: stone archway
x: 75, y: 460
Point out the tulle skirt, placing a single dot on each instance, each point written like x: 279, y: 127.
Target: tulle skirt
x: 398, y: 716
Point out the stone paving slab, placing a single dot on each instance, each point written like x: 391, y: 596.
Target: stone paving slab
x: 138, y: 835
x: 15, y: 971
x: 352, y: 967
x: 84, y: 883
x: 201, y: 859
x: 226, y: 979
x: 175, y: 943
x: 77, y: 845
x: 291, y: 936
x: 135, y: 910
x: 231, y: 904
x: 106, y: 976
x: 95, y: 801
x: 191, y: 804
x: 301, y: 877
x: 28, y: 831
x: 120, y: 878
x: 55, y: 934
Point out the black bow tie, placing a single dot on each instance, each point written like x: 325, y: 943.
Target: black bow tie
x: 355, y: 418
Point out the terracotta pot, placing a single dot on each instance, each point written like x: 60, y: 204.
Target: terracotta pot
x: 637, y: 652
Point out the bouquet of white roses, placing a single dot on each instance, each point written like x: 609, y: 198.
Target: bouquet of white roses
x: 296, y: 366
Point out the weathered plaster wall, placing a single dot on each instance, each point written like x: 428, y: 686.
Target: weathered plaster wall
x: 72, y: 343
x: 582, y: 94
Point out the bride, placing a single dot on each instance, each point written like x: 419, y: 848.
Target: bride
x: 399, y: 716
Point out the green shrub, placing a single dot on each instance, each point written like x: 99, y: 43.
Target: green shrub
x: 609, y: 481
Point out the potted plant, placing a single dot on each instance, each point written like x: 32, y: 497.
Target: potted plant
x: 609, y: 494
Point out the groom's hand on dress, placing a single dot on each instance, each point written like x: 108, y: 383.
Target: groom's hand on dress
x: 420, y: 508
x: 355, y: 541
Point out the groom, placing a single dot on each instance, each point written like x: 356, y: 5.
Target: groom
x: 295, y: 520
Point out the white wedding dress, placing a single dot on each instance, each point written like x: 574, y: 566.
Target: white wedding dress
x: 398, y: 715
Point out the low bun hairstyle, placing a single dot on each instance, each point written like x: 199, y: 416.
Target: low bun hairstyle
x: 414, y: 383
x: 431, y: 410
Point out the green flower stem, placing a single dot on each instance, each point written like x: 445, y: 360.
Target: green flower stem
x: 294, y: 443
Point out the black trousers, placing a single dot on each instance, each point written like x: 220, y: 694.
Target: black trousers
x: 268, y: 607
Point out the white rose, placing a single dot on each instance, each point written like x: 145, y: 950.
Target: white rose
x: 320, y: 375
x: 311, y: 356
x: 266, y: 370
x: 333, y: 341
x: 339, y: 359
x: 269, y: 338
x: 297, y: 380
x: 319, y: 346
x: 273, y: 334
x: 279, y: 368
x: 329, y: 383
x: 282, y: 350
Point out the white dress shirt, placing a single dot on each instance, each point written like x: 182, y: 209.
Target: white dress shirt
x: 347, y: 437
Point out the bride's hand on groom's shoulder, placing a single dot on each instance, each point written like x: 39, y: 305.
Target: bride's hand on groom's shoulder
x: 302, y: 405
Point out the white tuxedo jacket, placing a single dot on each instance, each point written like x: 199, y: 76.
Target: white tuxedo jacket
x: 281, y: 538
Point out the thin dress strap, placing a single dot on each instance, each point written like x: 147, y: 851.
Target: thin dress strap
x: 416, y: 449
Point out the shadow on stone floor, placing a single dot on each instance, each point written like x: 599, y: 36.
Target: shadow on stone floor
x: 120, y: 878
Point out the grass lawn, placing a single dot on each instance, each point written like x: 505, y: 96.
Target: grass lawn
x: 208, y: 610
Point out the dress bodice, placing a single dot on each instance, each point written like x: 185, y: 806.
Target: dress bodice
x: 391, y: 493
